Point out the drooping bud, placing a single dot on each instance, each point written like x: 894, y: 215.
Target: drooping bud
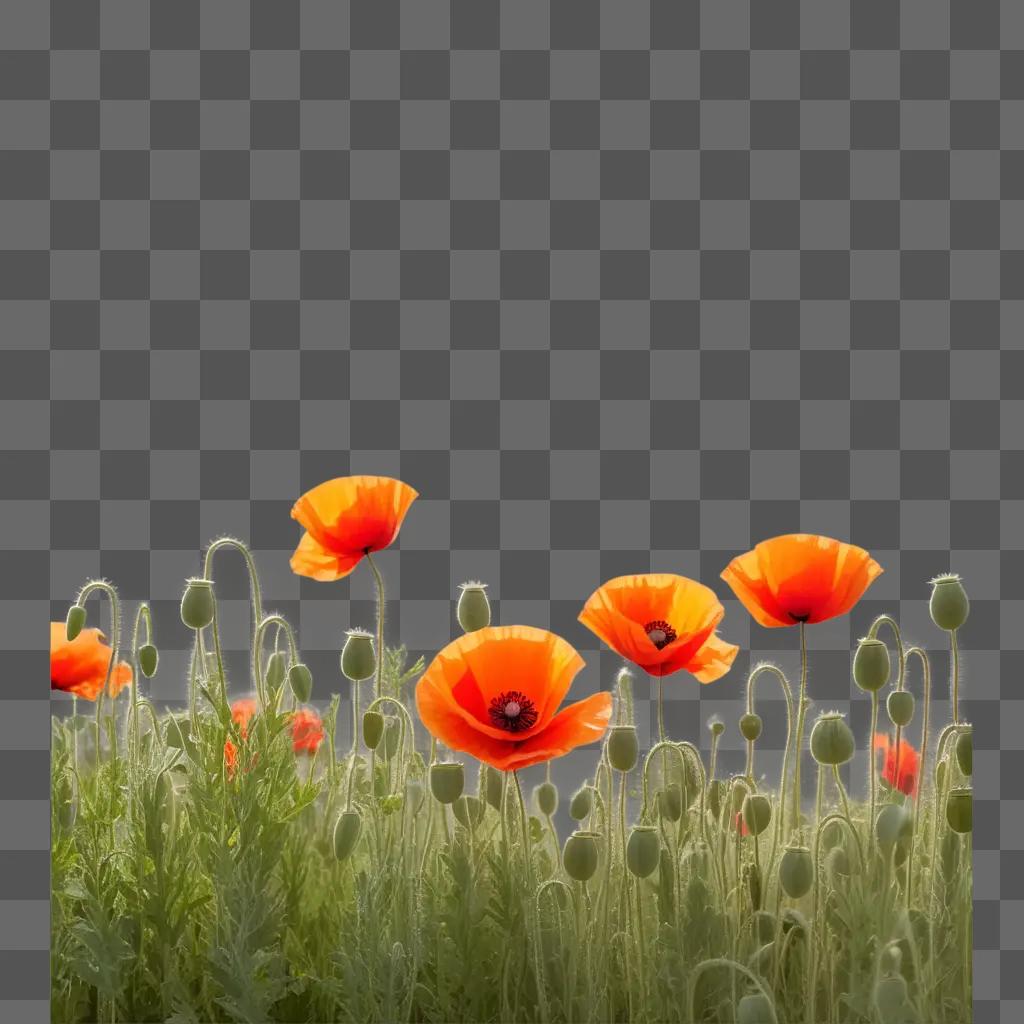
x: 276, y: 664
x: 75, y: 621
x: 148, y: 659
x: 392, y: 734
x: 582, y: 801
x: 300, y: 679
x: 623, y: 748
x: 197, y: 605
x: 346, y: 834
x: 493, y: 786
x: 871, y: 664
x: 965, y: 752
x: 546, y: 796
x: 468, y: 811
x: 755, y: 1008
x: 642, y: 850
x: 838, y: 862
x: 751, y: 726
x: 831, y: 740
x: 716, y: 726
x: 960, y: 810
x: 900, y: 706
x: 796, y: 871
x: 670, y: 802
x: 447, y: 780
x: 757, y: 812
x: 358, y: 660
x: 373, y: 728
x: 474, y: 610
x: 580, y: 855
x: 892, y: 824
x: 948, y: 604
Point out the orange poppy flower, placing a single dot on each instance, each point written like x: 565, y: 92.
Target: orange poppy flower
x: 79, y: 666
x: 307, y: 731
x: 905, y: 776
x: 230, y: 758
x: 242, y: 711
x: 494, y: 693
x: 800, y: 577
x: 346, y: 518
x: 662, y: 623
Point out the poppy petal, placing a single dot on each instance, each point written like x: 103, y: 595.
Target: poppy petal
x: 573, y: 726
x: 312, y: 560
x: 713, y: 660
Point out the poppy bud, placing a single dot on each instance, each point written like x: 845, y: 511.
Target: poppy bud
x: 148, y: 658
x: 275, y: 670
x: 890, y: 998
x: 750, y: 726
x: 892, y: 825
x: 373, y: 728
x: 960, y: 810
x: 197, y: 608
x: 579, y: 806
x: 757, y: 812
x: 392, y: 734
x: 831, y: 740
x: 447, y: 781
x: 300, y: 679
x: 75, y: 622
x: 838, y: 862
x: 346, y: 834
x: 900, y: 705
x: 642, y: 850
x: 871, y: 664
x: 580, y: 855
x: 474, y: 610
x: 670, y: 802
x: 949, y: 605
x: 358, y: 661
x: 755, y: 1008
x: 546, y: 795
x: 468, y: 811
x: 965, y: 752
x: 493, y: 786
x: 716, y: 726
x: 623, y: 748
x: 796, y: 871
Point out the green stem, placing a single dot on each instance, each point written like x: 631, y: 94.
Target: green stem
x: 955, y: 651
x: 923, y: 773
x: 379, y: 580
x: 801, y: 715
x: 871, y: 769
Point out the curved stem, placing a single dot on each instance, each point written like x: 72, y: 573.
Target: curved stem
x: 283, y: 626
x: 379, y: 580
x: 101, y: 586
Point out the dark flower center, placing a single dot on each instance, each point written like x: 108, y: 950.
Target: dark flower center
x: 513, y: 711
x: 660, y: 633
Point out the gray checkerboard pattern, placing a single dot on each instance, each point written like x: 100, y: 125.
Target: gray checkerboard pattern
x: 616, y: 285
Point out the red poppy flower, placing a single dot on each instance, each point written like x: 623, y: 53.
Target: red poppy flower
x: 800, y: 577
x: 346, y: 518
x: 909, y: 764
x: 662, y: 623
x: 494, y: 693
x: 242, y: 711
x: 230, y: 758
x: 307, y: 731
x: 79, y: 666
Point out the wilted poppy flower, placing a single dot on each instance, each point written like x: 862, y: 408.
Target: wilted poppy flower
x: 242, y: 711
x: 346, y: 518
x: 662, y: 623
x: 903, y: 777
x: 307, y: 731
x: 494, y: 693
x: 800, y: 577
x: 79, y: 666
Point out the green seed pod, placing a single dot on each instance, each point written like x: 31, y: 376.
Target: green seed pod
x: 468, y: 811
x: 831, y: 740
x: 275, y: 673
x: 960, y: 810
x: 949, y: 605
x: 642, y: 850
x: 148, y: 659
x: 358, y: 660
x: 300, y: 679
x: 892, y: 824
x: 197, y: 605
x: 373, y: 729
x: 623, y: 748
x: 871, y: 664
x: 580, y: 855
x: 716, y: 793
x: 965, y: 752
x: 493, y: 786
x: 346, y: 834
x: 447, y: 780
x: 757, y: 812
x: 75, y: 621
x: 546, y: 797
x: 751, y: 726
x: 890, y: 997
x: 670, y: 802
x: 177, y: 732
x: 474, y: 610
x: 755, y: 1008
x: 392, y: 734
x: 900, y: 706
x: 580, y: 804
x: 796, y: 871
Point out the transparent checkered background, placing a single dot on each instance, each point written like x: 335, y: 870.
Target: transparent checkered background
x: 618, y: 286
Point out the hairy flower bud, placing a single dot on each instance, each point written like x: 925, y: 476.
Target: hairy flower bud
x: 447, y: 780
x: 275, y: 671
x: 392, y: 735
x: 579, y: 806
x: 751, y: 726
x: 197, y: 604
x: 358, y: 660
x: 75, y: 621
x: 580, y: 855
x: 871, y: 664
x: 900, y: 706
x: 148, y: 659
x: 373, y: 729
x: 892, y: 825
x: 474, y: 610
x: 493, y: 786
x: 948, y: 605
x: 346, y: 834
x: 755, y: 1008
x: 831, y: 740
x: 623, y: 748
x: 796, y: 871
x: 670, y: 802
x: 716, y: 726
x: 642, y: 850
x: 960, y: 810
x: 757, y: 812
x: 546, y: 796
x: 300, y: 679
